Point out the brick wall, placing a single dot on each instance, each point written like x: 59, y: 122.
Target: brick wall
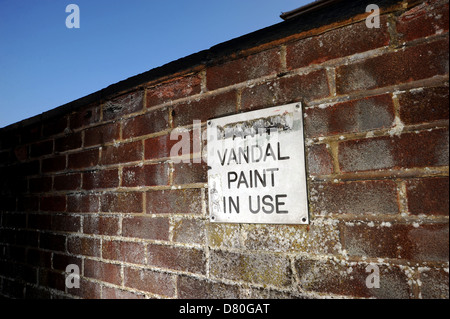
x: 93, y: 184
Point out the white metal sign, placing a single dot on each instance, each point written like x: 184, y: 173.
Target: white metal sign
x: 257, y: 167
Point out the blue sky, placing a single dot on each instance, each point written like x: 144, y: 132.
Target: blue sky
x: 43, y: 64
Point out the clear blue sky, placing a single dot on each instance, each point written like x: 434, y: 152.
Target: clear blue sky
x: 43, y: 64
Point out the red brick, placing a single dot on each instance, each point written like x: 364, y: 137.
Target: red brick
x: 41, y: 148
x: 177, y: 258
x: 39, y: 221
x: 121, y: 202
x: 126, y: 104
x: 158, y: 147
x: 243, y: 69
x: 102, y: 271
x: 114, y: 293
x: 424, y: 105
x: 83, y: 203
x: 54, y: 164
x: 152, y: 122
x: 146, y: 175
x: 345, y: 41
x: 83, y: 159
x: 354, y: 116
x: 85, y: 246
x: 101, y: 225
x: 426, y: 19
x: 88, y: 289
x: 187, y: 173
x: 122, y: 153
x: 100, y: 135
x: 320, y: 161
x: 130, y: 252
x: 182, y: 201
x: 67, y: 182
x: 65, y: 223
x: 411, y: 64
x: 53, y: 203
x: 434, y: 283
x: 203, y: 109
x: 146, y: 227
x: 426, y: 242
x: 85, y: 116
x: 150, y: 281
x: 424, y: 149
x: 305, y: 87
x: 69, y: 142
x: 359, y: 198
x: 428, y: 196
x: 174, y: 89
x: 101, y: 179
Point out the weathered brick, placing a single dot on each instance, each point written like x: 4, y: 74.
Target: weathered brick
x: 187, y: 173
x: 320, y: 161
x: 424, y: 105
x: 174, y: 89
x: 354, y: 116
x: 243, y: 69
x: 102, y: 271
x: 266, y: 269
x: 115, y: 293
x: 101, y: 225
x: 204, y: 108
x: 359, y: 198
x: 177, y: 258
x: 86, y: 246
x: 331, y: 276
x: 150, y: 281
x: 422, y: 149
x: 130, y: 252
x: 411, y: 64
x: 88, y: 289
x: 146, y: 175
x: 83, y: 203
x: 69, y: 142
x: 305, y: 87
x: 100, y: 135
x: 418, y: 242
x: 122, y: 153
x: 345, y: 41
x: 85, y: 116
x: 146, y: 227
x: 158, y: 147
x: 151, y: 122
x: 434, y: 283
x: 194, y: 288
x: 189, y: 231
x: 61, y: 261
x: 426, y: 19
x: 101, y: 179
x: 65, y: 223
x: 125, y: 104
x: 428, y: 196
x: 83, y: 159
x: 130, y: 202
x: 180, y: 201
x: 67, y: 182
